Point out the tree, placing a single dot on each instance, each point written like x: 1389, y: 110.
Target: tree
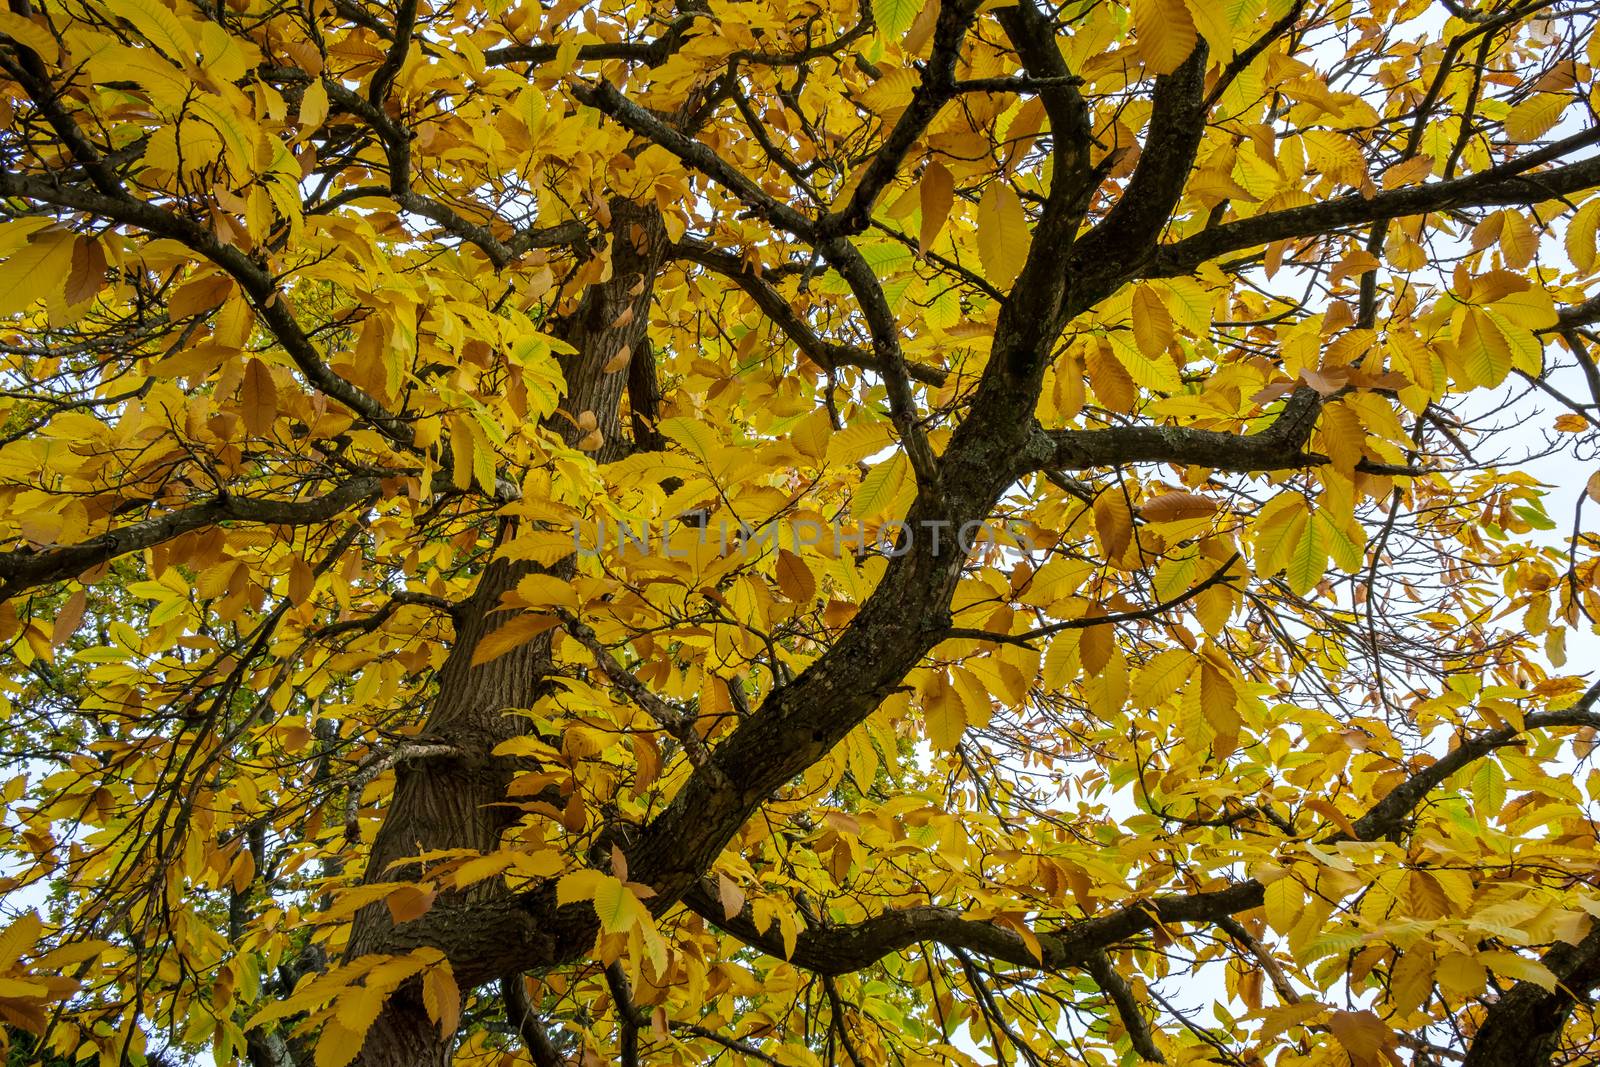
x: 1141, y: 589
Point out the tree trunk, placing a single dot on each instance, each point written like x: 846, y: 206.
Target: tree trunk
x: 454, y: 801
x: 1523, y: 1028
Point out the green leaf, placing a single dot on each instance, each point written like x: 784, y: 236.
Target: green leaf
x: 894, y: 17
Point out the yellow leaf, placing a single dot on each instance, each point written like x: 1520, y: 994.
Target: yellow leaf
x: 461, y: 447
x: 1411, y: 980
x: 546, y: 590
x: 1532, y: 119
x: 1162, y: 676
x: 258, y: 399
x: 199, y: 294
x: 441, y: 997
x: 1461, y: 974
x: 1003, y: 236
x: 795, y: 578
x: 1177, y: 507
x: 1165, y: 34
x: 1365, y: 1037
x: 1219, y: 700
x: 239, y: 135
x: 408, y: 903
x: 16, y: 988
x: 1406, y: 172
x: 313, y: 108
x: 943, y: 713
x: 36, y: 271
x: 20, y: 936
x: 1532, y: 309
x: 1308, y: 559
x: 579, y: 885
x: 338, y: 1045
x: 1580, y: 236
x: 879, y: 488
x: 1061, y: 660
x: 1519, y: 968
x: 1284, y: 900
x: 1213, y: 18
x: 1482, y: 350
x: 1518, y: 242
x: 88, y: 274
x: 514, y: 634
x: 1113, y: 385
x: 1113, y: 523
x: 619, y: 910
x: 698, y: 439
x: 1096, y: 643
x: 894, y: 17
x: 1152, y: 325
x: 159, y: 26
x: 27, y: 32
x: 357, y: 1009
x: 476, y: 870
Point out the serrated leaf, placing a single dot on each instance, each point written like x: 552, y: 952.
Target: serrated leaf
x: 1152, y: 325
x: 879, y: 488
x: 1003, y: 236
x: 36, y: 271
x: 441, y: 998
x: 337, y: 1045
x: 795, y: 578
x: 1519, y: 968
x: 937, y: 194
x: 894, y: 17
x: 1164, y: 34
x: 258, y: 399
x: 1161, y: 676
x: 1308, y: 559
x: 1177, y: 507
x: 943, y: 713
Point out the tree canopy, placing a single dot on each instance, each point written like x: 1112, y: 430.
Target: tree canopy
x: 798, y: 532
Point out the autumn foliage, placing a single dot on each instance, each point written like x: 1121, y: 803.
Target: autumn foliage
x: 339, y: 339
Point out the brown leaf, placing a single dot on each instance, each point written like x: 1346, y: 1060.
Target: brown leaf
x: 258, y: 399
x: 68, y: 619
x: 795, y: 578
x: 88, y: 275
x: 1176, y: 507
x: 1097, y: 643
x: 731, y: 896
x: 410, y: 902
x: 1363, y: 1035
x: 201, y: 294
x: 1113, y: 522
x: 937, y: 193
x: 1327, y: 381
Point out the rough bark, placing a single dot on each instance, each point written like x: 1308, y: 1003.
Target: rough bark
x: 455, y: 801
x: 1523, y: 1028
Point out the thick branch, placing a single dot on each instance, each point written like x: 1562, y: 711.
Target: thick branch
x: 1121, y: 994
x: 25, y: 569
x: 838, y: 949
x: 519, y: 1011
x: 1523, y: 1028
x: 259, y: 285
x: 821, y: 351
x: 1281, y: 446
x: 1513, y: 182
